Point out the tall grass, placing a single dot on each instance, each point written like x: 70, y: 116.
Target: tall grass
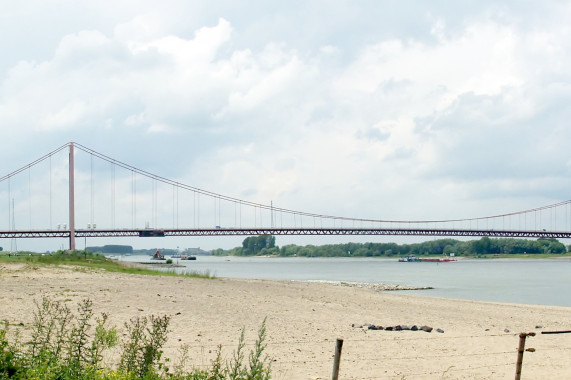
x: 68, y: 345
x: 96, y: 261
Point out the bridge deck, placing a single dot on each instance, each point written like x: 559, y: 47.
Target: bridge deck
x: 284, y: 231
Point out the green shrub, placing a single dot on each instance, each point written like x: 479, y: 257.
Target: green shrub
x: 142, y: 351
x: 66, y: 345
x: 8, y: 352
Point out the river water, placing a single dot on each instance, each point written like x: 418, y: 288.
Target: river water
x: 534, y: 281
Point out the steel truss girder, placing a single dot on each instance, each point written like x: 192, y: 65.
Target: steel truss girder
x: 286, y: 231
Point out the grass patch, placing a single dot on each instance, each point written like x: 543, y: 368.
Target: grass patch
x: 85, y: 259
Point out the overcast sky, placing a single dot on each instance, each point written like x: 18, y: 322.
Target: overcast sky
x: 371, y: 109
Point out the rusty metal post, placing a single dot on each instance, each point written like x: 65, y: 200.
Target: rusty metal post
x: 520, y: 351
x: 337, y: 359
x: 71, y: 199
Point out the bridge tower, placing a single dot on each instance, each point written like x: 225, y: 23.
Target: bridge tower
x: 71, y: 199
x: 13, y: 242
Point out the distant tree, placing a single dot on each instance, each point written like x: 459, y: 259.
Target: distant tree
x: 551, y: 246
x: 254, y: 245
x: 117, y: 249
x: 289, y: 250
x: 265, y: 245
x: 482, y: 246
x: 306, y: 252
x: 218, y: 252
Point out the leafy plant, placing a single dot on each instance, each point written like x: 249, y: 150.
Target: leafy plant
x: 260, y: 365
x: 67, y: 345
x: 8, y: 354
x: 143, y: 349
x: 64, y: 345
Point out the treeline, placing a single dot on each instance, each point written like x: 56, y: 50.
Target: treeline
x: 121, y: 249
x: 264, y: 245
x: 127, y: 249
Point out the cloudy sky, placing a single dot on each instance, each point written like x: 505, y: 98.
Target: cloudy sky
x: 372, y: 109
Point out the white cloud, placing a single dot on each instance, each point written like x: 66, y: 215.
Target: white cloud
x: 358, y: 113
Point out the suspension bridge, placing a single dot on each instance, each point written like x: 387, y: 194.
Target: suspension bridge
x: 125, y: 201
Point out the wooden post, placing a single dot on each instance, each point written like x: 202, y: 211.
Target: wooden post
x: 520, y: 351
x: 337, y: 359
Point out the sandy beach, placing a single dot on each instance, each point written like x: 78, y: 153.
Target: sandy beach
x: 304, y: 319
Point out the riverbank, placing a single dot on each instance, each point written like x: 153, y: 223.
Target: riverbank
x: 304, y: 319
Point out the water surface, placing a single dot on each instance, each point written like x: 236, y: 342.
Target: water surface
x: 534, y: 281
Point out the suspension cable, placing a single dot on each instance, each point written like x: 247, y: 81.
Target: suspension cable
x: 300, y: 214
x: 34, y: 162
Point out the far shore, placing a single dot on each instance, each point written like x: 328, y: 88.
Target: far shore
x: 396, y: 257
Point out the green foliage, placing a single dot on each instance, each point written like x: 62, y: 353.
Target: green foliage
x: 237, y: 368
x: 142, y: 351
x: 8, y: 354
x: 218, y: 252
x: 259, y: 364
x: 255, y: 245
x: 481, y: 247
x: 65, y: 345
x: 111, y: 248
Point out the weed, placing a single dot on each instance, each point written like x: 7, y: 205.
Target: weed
x: 142, y: 351
x: 236, y: 368
x: 66, y: 345
x: 259, y: 364
x: 8, y: 352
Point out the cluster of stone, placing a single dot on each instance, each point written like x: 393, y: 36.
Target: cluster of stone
x: 377, y: 286
x: 396, y: 328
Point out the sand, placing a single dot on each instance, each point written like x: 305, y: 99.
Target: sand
x: 304, y: 319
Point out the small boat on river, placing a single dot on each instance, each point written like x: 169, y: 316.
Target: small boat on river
x: 414, y: 259
x: 409, y: 259
x: 438, y: 260
x: 158, y: 256
x: 443, y: 259
x: 187, y: 257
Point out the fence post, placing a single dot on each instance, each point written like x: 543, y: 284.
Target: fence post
x: 337, y: 359
x: 520, y: 351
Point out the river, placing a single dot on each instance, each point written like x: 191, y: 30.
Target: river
x: 525, y: 281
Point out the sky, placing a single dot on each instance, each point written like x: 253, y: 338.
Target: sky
x: 406, y: 110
